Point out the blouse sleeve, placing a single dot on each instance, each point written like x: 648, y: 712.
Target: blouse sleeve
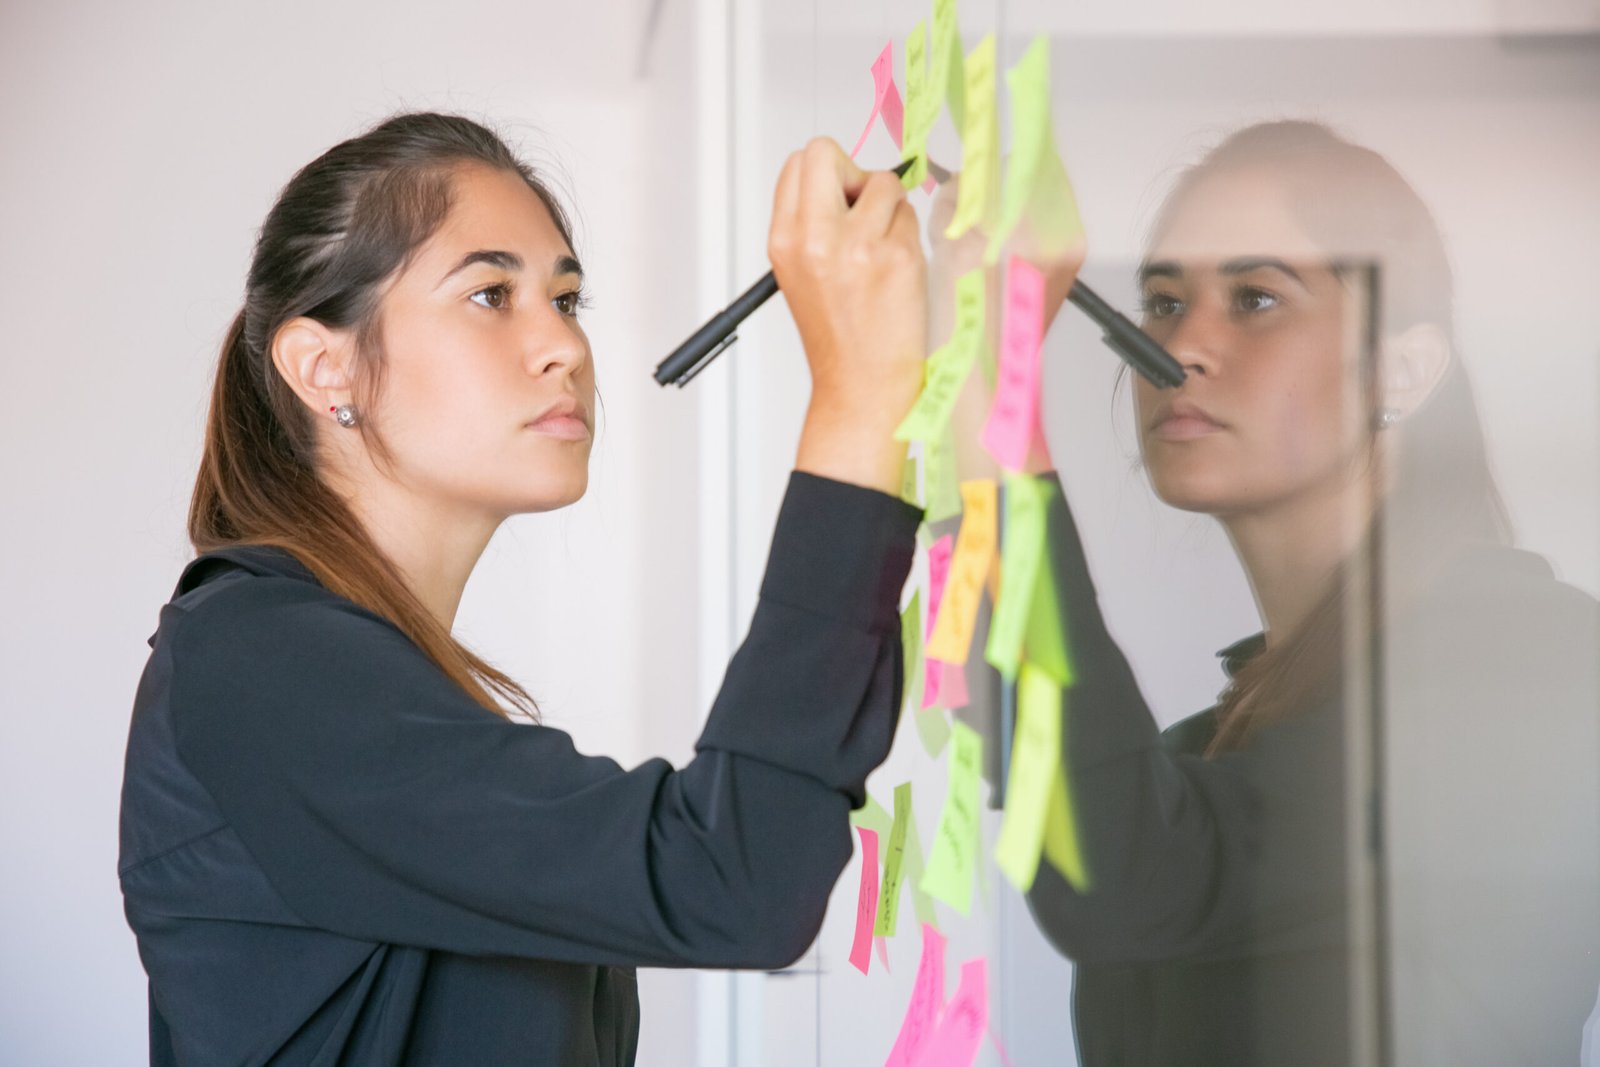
x: 384, y: 804
x: 1176, y: 846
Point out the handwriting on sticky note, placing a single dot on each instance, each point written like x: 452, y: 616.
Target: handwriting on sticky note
x: 1021, y: 556
x: 911, y: 645
x: 885, y: 100
x: 1035, y: 765
x: 978, y: 198
x: 938, y: 572
x: 918, y: 120
x: 866, y: 901
x: 927, y: 999
x: 947, y: 77
x: 955, y: 846
x: 964, y: 1020
x: 1015, y: 411
x: 893, y: 864
x: 975, y: 543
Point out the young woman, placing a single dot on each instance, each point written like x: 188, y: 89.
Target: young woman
x: 337, y: 846
x: 1327, y: 423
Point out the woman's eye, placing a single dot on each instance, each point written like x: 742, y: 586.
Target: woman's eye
x: 1161, y: 305
x: 495, y: 297
x: 1250, y: 300
x: 570, y: 303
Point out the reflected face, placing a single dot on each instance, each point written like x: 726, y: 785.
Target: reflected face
x: 487, y: 392
x: 1243, y: 298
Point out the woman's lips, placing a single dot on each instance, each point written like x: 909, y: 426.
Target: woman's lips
x: 566, y: 427
x: 1184, y: 428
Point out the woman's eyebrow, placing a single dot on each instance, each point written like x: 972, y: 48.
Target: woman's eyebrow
x: 1246, y: 264
x: 568, y: 264
x: 503, y: 260
x: 1163, y: 268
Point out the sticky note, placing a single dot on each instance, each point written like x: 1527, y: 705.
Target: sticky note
x: 975, y: 542
x: 933, y: 728
x: 908, y: 482
x: 881, y: 944
x: 911, y: 644
x: 1014, y: 414
x: 1045, y: 642
x: 866, y: 901
x: 939, y: 476
x: 1036, y: 183
x: 885, y: 100
x: 921, y: 902
x: 955, y: 847
x: 978, y: 197
x: 1035, y: 765
x: 953, y: 686
x: 893, y: 864
x: 946, y: 372
x: 938, y: 571
x: 1021, y: 553
x: 872, y: 816
x: 1061, y: 846
x: 927, y: 998
x: 947, y: 77
x: 965, y: 1020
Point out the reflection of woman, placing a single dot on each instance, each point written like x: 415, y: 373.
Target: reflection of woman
x: 336, y: 846
x: 1217, y: 927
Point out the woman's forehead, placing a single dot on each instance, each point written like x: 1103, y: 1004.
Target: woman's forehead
x: 1230, y: 216
x: 495, y: 209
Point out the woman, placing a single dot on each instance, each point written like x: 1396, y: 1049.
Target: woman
x: 1327, y: 423
x: 337, y: 847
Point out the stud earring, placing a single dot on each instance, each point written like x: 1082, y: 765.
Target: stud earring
x: 345, y: 414
x: 1387, y: 417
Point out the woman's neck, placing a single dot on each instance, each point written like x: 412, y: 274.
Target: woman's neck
x: 1292, y: 549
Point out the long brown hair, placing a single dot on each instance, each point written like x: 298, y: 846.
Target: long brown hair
x: 1442, y: 495
x: 341, y: 227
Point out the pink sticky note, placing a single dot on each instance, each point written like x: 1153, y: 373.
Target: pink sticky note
x: 1015, y: 414
x: 952, y: 685
x: 882, y: 945
x: 938, y: 572
x: 964, y: 1022
x: 866, y: 901
x: 885, y: 100
x: 927, y: 997
x: 932, y: 683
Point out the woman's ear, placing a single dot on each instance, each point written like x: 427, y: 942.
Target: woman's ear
x: 1413, y: 364
x: 315, y: 360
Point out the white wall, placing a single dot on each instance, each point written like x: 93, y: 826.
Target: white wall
x: 143, y: 145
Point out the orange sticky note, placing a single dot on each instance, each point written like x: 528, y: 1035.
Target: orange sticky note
x: 975, y: 543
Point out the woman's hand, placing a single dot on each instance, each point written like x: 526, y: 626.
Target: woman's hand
x: 855, y: 280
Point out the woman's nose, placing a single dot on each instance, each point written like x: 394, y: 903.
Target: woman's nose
x: 555, y: 346
x: 1197, y: 339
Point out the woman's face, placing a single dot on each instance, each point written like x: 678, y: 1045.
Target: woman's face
x: 486, y: 399
x: 1245, y: 300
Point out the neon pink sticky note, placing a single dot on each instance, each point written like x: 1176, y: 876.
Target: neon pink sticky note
x: 964, y: 1022
x: 927, y: 997
x: 866, y: 901
x: 952, y: 685
x: 939, y: 554
x: 1015, y: 414
x: 885, y: 100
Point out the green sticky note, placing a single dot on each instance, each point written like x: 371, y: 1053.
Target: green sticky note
x: 1020, y: 557
x: 871, y: 816
x: 939, y: 474
x: 919, y: 115
x: 1036, y: 184
x: 1035, y: 766
x: 948, y: 77
x: 893, y: 864
x: 932, y: 727
x: 955, y: 847
x: 1045, y: 641
x: 908, y: 482
x: 911, y: 642
x: 1061, y: 827
x: 978, y: 197
x: 945, y: 372
x: 921, y: 902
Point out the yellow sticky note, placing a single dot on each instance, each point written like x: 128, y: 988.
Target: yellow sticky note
x: 1045, y: 641
x: 958, y: 610
x: 948, y: 77
x: 1020, y: 557
x: 918, y: 120
x: 955, y: 847
x: 1036, y: 184
x: 1035, y: 765
x: 978, y: 198
x: 911, y: 644
x: 893, y: 864
x: 1061, y: 831
x: 939, y: 474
